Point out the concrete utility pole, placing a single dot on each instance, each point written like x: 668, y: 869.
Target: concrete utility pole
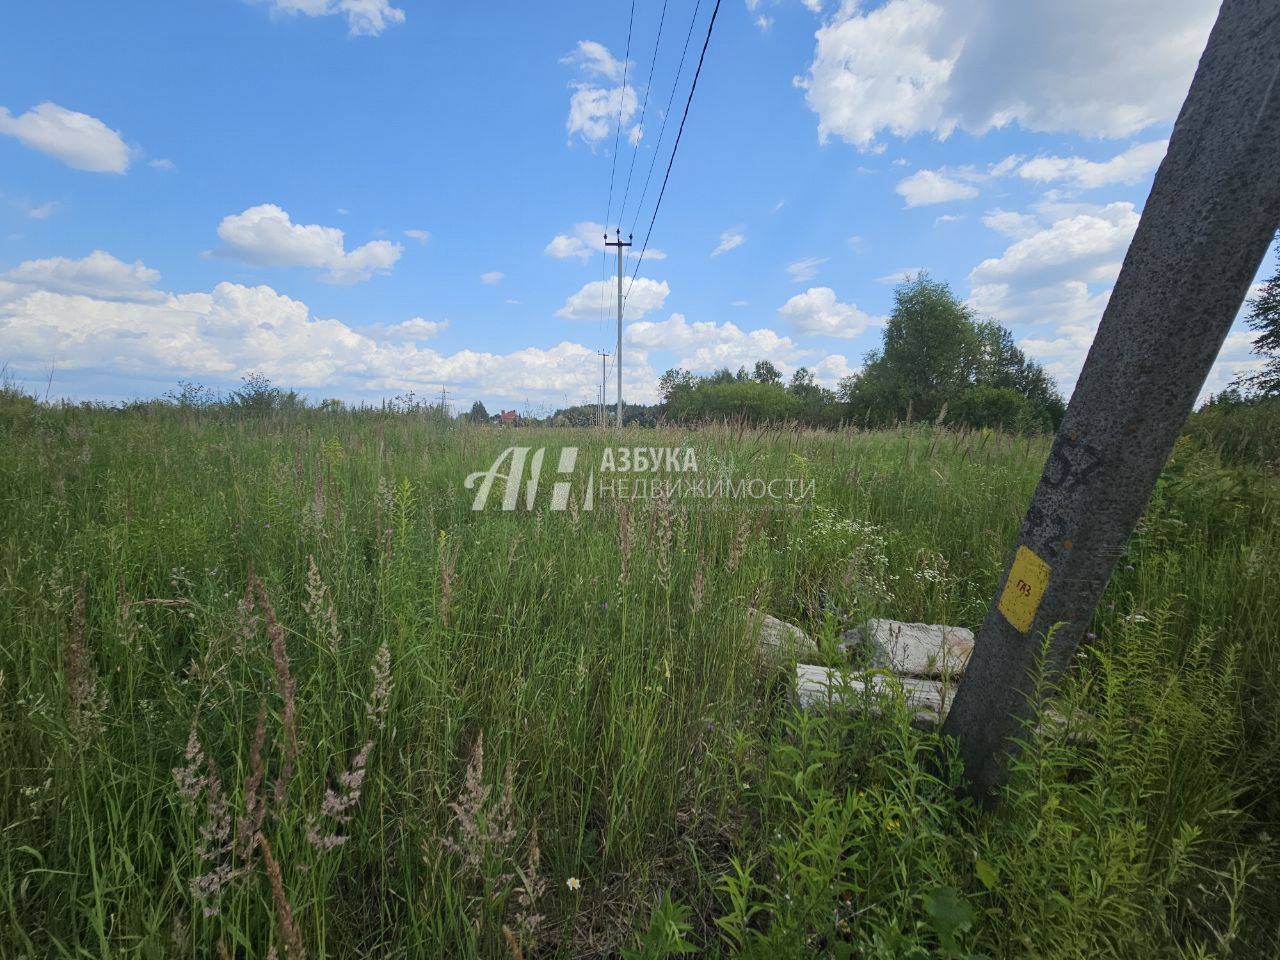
x: 1213, y: 210
x: 619, y: 243
x: 603, y: 376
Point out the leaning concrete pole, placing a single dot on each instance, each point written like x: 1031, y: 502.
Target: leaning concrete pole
x: 1213, y: 209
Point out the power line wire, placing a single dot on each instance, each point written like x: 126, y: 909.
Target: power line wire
x: 622, y: 99
x: 666, y: 113
x: 676, y: 146
x: 635, y: 147
x: 613, y: 164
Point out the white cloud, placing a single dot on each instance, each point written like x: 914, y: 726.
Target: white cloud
x: 77, y: 139
x: 594, y: 59
x: 365, y: 18
x: 640, y: 297
x: 265, y: 235
x: 802, y: 271
x: 830, y: 370
x: 98, y: 275
x: 1093, y: 67
x: 422, y: 236
x: 218, y: 336
x: 709, y: 346
x: 729, y: 240
x: 595, y: 111
x: 413, y: 330
x: 161, y: 164
x: 1128, y: 168
x: 1052, y: 283
x: 817, y: 312
x: 925, y: 187
x: 44, y: 211
x: 587, y: 239
x: 1016, y: 225
x: 492, y: 277
x: 1089, y: 246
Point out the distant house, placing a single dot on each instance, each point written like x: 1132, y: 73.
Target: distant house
x: 507, y: 418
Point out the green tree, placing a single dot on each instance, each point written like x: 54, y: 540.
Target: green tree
x: 478, y: 413
x: 766, y: 372
x: 928, y: 357
x: 1264, y: 317
x: 936, y: 353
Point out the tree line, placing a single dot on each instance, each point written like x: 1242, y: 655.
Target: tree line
x: 937, y: 362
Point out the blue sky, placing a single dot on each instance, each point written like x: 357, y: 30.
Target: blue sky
x: 360, y: 198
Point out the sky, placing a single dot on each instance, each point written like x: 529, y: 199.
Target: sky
x: 365, y: 198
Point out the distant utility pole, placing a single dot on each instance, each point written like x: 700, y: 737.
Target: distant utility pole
x: 444, y: 397
x: 603, y: 375
x: 1213, y: 209
x: 619, y: 243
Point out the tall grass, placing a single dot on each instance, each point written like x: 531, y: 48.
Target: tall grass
x: 269, y: 684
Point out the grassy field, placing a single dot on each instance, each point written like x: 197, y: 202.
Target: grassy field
x: 269, y: 687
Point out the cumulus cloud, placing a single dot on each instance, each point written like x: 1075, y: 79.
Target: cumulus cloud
x: 730, y: 240
x: 98, y: 275
x: 492, y: 277
x: 1128, y: 168
x: 1052, y: 283
x: 641, y: 297
x: 422, y: 236
x: 926, y: 187
x: 220, y: 335
x: 1088, y: 246
x: 801, y: 271
x: 817, y: 312
x: 1092, y: 67
x: 587, y: 238
x: 1011, y: 224
x: 595, y: 111
x: 264, y: 235
x: 365, y: 18
x: 77, y: 139
x: 707, y: 346
x: 413, y: 330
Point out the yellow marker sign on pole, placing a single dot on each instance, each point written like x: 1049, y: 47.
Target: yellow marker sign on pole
x: 1028, y: 578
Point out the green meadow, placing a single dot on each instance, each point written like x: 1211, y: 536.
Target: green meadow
x: 270, y: 687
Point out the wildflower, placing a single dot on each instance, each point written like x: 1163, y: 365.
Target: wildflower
x: 289, y: 931
x: 287, y: 689
x: 337, y: 805
x: 574, y: 884
x: 380, y: 698
x: 483, y: 822
x: 892, y: 825
x: 86, y: 700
